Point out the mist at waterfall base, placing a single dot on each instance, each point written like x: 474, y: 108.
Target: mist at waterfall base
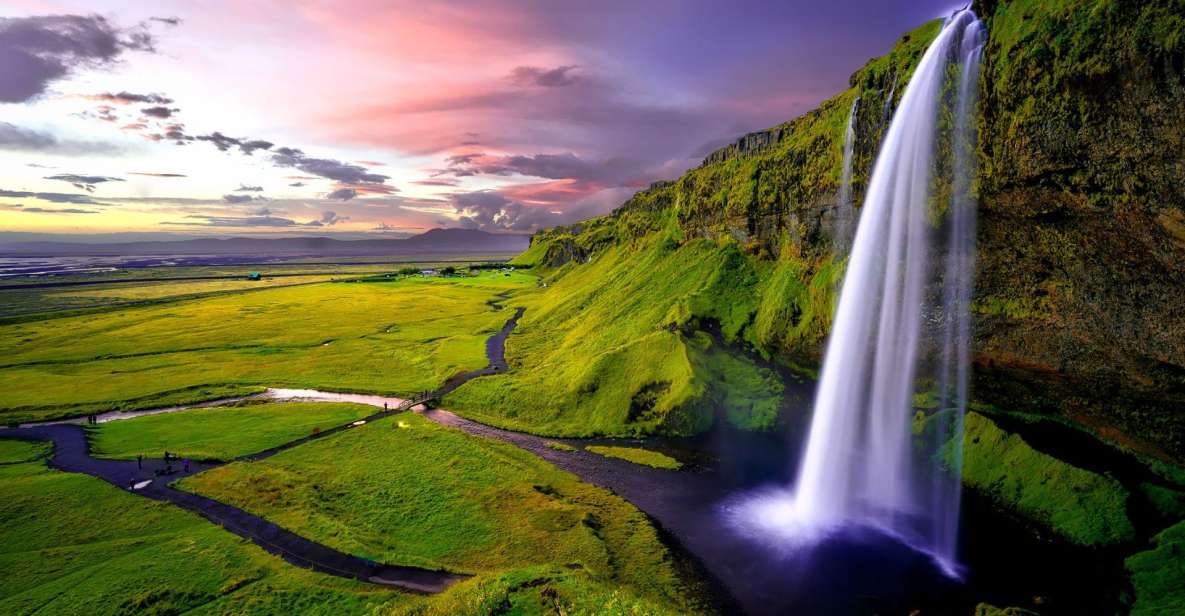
x: 871, y: 469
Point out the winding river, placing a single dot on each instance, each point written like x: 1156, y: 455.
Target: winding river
x: 851, y: 572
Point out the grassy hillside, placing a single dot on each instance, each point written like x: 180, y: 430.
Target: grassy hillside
x: 1082, y: 230
x: 617, y: 342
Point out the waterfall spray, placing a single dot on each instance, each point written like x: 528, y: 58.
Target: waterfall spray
x: 911, y: 257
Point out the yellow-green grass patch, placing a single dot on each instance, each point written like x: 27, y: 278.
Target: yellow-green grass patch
x: 637, y: 455
x: 1081, y: 506
x: 432, y: 496
x: 391, y: 338
x: 72, y: 544
x: 220, y: 433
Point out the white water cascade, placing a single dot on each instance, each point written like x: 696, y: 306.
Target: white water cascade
x: 844, y: 217
x: 901, y: 328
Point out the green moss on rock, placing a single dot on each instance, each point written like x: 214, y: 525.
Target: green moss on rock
x: 1158, y: 575
x: 1083, y: 507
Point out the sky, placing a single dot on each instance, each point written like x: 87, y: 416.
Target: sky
x: 352, y: 118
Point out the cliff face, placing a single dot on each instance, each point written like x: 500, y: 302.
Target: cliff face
x: 1080, y: 288
x: 1081, y: 284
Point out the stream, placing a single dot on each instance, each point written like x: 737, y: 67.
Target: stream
x: 854, y: 571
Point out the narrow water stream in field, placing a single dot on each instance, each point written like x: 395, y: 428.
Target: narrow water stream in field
x: 852, y: 572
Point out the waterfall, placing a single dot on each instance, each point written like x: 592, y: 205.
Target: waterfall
x: 843, y: 202
x: 861, y: 465
x: 889, y: 100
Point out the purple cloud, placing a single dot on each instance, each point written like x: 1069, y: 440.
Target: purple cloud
x: 550, y: 78
x: 83, y: 182
x: 36, y: 51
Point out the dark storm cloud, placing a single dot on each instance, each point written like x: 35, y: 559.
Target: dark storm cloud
x: 159, y: 112
x: 342, y: 194
x: 36, y: 51
x: 551, y: 78
x: 51, y: 197
x: 84, y: 182
x: 238, y: 198
x: 128, y: 98
x: 17, y: 138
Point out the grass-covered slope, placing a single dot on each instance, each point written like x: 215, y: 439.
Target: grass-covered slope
x: 1082, y: 230
x: 615, y: 343
x: 219, y: 433
x: 614, y: 346
x: 405, y: 490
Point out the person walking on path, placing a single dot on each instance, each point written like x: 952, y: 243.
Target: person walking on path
x: 140, y: 460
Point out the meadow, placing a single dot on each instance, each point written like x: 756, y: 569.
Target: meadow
x: 219, y: 433
x: 386, y: 336
x: 73, y: 544
x: 25, y: 298
x: 404, y: 490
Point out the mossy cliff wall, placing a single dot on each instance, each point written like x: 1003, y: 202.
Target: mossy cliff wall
x: 1080, y: 288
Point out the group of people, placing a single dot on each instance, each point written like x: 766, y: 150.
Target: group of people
x: 169, y: 459
x: 92, y: 419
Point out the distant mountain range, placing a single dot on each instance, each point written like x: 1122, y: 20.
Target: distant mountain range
x: 433, y: 242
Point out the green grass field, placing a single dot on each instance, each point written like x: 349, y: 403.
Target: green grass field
x: 72, y: 544
x: 220, y: 433
x: 391, y: 338
x: 404, y: 490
